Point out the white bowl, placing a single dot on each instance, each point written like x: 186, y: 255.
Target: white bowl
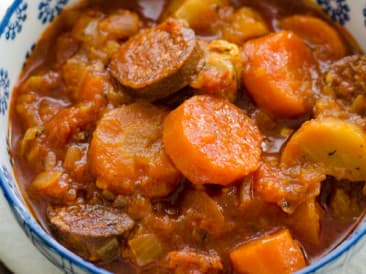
x: 21, y: 24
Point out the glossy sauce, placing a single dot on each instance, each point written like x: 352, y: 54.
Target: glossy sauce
x: 250, y: 224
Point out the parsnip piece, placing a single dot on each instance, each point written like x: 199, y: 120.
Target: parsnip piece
x: 199, y: 14
x: 246, y: 24
x: 336, y: 145
x: 50, y: 184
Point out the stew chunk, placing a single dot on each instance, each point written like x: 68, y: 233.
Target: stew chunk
x: 277, y: 73
x: 337, y: 146
x: 245, y: 24
x: 127, y: 154
x: 91, y: 230
x: 221, y: 73
x: 212, y: 141
x: 200, y: 15
x: 186, y: 261
x: 272, y: 254
x: 346, y: 81
x: 158, y: 61
x: 323, y: 38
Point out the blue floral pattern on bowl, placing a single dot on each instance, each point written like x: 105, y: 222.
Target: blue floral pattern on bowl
x: 15, y: 23
x: 48, y: 9
x: 4, y: 91
x: 36, y: 15
x: 338, y: 10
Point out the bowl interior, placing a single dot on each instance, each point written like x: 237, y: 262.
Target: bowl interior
x: 21, y: 26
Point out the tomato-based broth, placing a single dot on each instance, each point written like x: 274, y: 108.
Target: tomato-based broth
x: 192, y: 136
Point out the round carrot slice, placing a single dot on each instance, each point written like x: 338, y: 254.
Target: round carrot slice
x: 127, y: 154
x: 278, y: 73
x: 212, y: 141
x: 322, y: 37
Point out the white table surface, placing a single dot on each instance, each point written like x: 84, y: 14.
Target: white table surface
x: 16, y: 251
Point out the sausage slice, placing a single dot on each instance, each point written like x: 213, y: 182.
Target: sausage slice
x: 346, y: 78
x: 89, y: 230
x: 157, y: 61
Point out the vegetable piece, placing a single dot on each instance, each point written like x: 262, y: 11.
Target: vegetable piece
x: 221, y: 73
x: 30, y: 135
x: 146, y: 248
x: 76, y: 227
x: 74, y: 71
x: 66, y: 47
x: 287, y: 187
x: 120, y: 24
x: 126, y: 152
x: 245, y: 24
x: 26, y: 108
x: 38, y: 154
x: 137, y: 206
x: 204, y: 212
x: 186, y: 261
x: 73, y: 155
x: 338, y: 146
x: 246, y: 193
x: 43, y: 83
x: 75, y: 162
x: 198, y: 14
x: 323, y: 38
x: 50, y: 184
x: 86, y: 29
x: 32, y: 105
x: 108, y: 250
x: 272, y: 254
x: 68, y: 121
x: 277, y: 73
x: 359, y: 105
x: 93, y: 89
x: 306, y: 221
x: 157, y: 61
x: 219, y: 142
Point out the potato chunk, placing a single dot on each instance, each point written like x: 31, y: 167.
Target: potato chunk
x: 199, y: 14
x: 220, y: 75
x: 338, y: 146
x: 246, y: 24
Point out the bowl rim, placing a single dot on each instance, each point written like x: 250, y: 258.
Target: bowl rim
x: 18, y: 208
x: 21, y: 209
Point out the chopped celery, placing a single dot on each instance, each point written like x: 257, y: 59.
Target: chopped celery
x: 146, y: 248
x: 109, y: 250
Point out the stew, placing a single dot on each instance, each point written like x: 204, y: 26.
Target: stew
x: 192, y: 136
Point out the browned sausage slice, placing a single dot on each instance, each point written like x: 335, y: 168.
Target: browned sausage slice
x: 89, y: 230
x: 346, y: 78
x: 157, y: 61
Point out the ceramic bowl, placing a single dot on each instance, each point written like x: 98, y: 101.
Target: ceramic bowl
x: 21, y: 24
